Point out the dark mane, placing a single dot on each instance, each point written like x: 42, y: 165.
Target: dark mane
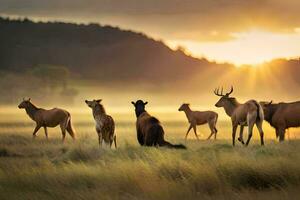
x: 233, y: 101
x: 99, y: 109
x: 31, y: 109
x: 154, y: 120
x: 271, y: 109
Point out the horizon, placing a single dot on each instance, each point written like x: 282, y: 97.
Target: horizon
x: 174, y: 45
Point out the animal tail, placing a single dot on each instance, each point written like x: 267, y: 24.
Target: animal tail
x: 162, y: 142
x: 69, y: 127
x: 260, y: 112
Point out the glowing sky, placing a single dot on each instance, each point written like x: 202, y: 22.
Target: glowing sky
x: 238, y: 31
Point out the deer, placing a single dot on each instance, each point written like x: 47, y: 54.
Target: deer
x: 149, y: 130
x: 199, y: 118
x: 248, y: 114
x: 105, y: 125
x: 282, y: 116
x: 48, y: 118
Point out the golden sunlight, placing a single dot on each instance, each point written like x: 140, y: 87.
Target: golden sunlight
x: 253, y: 47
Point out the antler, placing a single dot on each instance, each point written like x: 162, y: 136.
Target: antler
x: 216, y: 91
x: 231, y: 90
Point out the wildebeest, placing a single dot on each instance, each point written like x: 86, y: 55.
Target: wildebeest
x: 199, y: 118
x: 48, y: 118
x: 246, y: 114
x: 282, y: 116
x: 105, y: 125
x: 149, y: 130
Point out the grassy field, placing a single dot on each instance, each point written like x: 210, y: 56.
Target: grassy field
x: 43, y: 169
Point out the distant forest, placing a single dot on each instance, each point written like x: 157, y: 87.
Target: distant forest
x: 40, y: 58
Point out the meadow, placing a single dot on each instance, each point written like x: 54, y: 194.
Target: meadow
x: 41, y: 169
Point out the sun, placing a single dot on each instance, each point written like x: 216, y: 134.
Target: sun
x: 248, y: 48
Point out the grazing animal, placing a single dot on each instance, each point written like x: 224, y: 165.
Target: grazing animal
x: 149, y: 130
x: 282, y: 116
x: 105, y: 125
x: 246, y: 114
x: 199, y: 118
x: 48, y: 118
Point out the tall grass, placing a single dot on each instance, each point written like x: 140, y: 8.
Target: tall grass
x: 40, y: 169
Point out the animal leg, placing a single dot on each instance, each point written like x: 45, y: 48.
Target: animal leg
x: 195, y: 131
x: 63, y: 131
x: 234, y: 127
x: 37, y: 128
x: 188, y: 131
x: 115, y: 141
x: 46, y: 132
x: 250, y: 130
x: 281, y: 133
x: 212, y: 129
x: 100, y: 139
x: 261, y: 132
x: 241, y: 139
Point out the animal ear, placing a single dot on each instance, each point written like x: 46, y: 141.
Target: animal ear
x: 270, y: 102
x: 133, y: 103
x: 98, y: 100
x: 146, y: 103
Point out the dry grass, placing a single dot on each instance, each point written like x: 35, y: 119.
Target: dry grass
x: 43, y: 169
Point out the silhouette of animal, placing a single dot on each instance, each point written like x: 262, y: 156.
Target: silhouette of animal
x: 48, y: 118
x: 149, y: 130
x: 282, y: 116
x: 105, y: 125
x: 199, y: 118
x: 246, y: 114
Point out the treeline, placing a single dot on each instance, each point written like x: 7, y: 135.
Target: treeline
x: 42, y: 82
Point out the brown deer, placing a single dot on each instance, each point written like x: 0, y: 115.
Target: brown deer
x: 149, y: 130
x: 199, y: 118
x: 246, y: 114
x: 48, y: 118
x: 282, y: 116
x: 105, y: 125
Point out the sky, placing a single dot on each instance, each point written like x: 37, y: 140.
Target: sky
x: 237, y: 31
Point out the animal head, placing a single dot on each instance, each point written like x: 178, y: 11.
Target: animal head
x: 183, y: 107
x: 225, y: 98
x: 93, y: 103
x: 139, y: 106
x: 24, y: 104
x: 267, y: 108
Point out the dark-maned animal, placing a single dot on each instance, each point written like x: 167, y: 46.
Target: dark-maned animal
x: 149, y: 130
x: 199, y: 118
x: 282, y: 116
x: 48, y: 118
x: 105, y: 125
x: 246, y: 114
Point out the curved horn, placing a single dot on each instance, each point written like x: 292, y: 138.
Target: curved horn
x: 270, y: 102
x: 231, y: 90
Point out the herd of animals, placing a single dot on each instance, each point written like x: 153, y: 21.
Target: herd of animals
x: 150, y: 132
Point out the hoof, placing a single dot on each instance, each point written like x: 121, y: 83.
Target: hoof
x: 241, y: 141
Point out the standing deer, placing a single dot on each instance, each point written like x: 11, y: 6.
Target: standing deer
x: 199, y: 118
x: 105, y: 125
x: 48, y: 118
x: 246, y: 114
x: 149, y: 130
x: 282, y: 116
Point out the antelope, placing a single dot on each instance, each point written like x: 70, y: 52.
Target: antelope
x: 149, y: 130
x: 199, y: 118
x: 282, y: 116
x: 246, y: 114
x: 48, y: 118
x: 105, y: 125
